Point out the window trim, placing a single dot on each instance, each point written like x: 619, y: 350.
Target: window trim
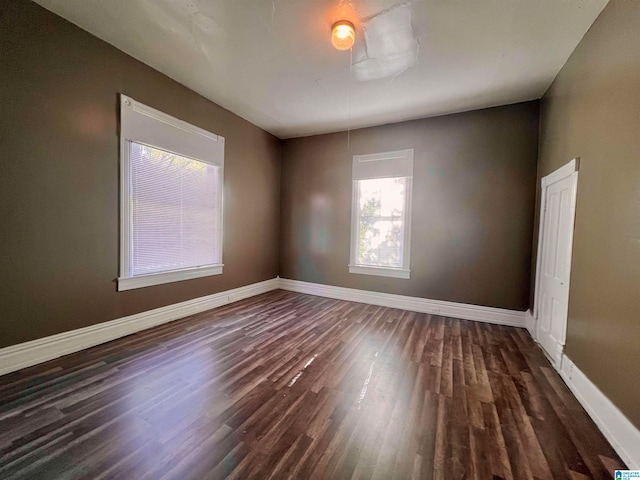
x: 140, y: 281
x: 380, y: 271
x: 400, y: 161
x: 145, y: 125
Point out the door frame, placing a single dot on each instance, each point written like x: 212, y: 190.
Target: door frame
x: 568, y: 170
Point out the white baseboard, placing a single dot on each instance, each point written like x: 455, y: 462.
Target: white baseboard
x: 41, y: 350
x: 621, y: 433
x: 16, y: 357
x: 530, y: 324
x: 415, y: 304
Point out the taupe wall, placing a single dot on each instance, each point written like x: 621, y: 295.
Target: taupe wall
x: 59, y: 179
x: 473, y: 206
x: 473, y: 200
x: 592, y: 111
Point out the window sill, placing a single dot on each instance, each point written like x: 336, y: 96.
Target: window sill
x: 140, y: 281
x: 380, y: 271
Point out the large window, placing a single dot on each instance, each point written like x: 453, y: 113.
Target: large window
x: 381, y: 214
x: 171, y: 198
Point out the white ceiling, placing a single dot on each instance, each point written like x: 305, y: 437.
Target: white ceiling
x: 272, y: 62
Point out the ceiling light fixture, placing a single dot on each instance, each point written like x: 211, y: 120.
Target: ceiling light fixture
x: 343, y: 35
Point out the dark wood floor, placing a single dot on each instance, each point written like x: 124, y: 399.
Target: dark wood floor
x: 286, y: 385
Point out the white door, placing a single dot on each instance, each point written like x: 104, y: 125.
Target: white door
x: 554, y: 259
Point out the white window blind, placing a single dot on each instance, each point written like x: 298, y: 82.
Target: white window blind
x: 174, y: 211
x: 381, y: 214
x: 170, y: 198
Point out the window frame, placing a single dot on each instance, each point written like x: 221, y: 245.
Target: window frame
x: 395, y: 164
x: 142, y: 124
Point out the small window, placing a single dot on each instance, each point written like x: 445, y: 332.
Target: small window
x: 381, y: 214
x: 171, y: 198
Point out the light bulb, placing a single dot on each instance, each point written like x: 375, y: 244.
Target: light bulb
x: 343, y: 35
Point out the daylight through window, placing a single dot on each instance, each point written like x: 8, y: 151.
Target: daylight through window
x: 381, y: 214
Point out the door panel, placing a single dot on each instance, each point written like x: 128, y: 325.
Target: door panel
x: 556, y: 238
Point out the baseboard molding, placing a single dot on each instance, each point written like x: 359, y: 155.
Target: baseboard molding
x: 530, y: 324
x: 41, y: 350
x: 415, y: 304
x: 26, y: 354
x: 621, y: 433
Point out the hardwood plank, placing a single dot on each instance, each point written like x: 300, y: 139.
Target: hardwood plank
x: 292, y: 386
